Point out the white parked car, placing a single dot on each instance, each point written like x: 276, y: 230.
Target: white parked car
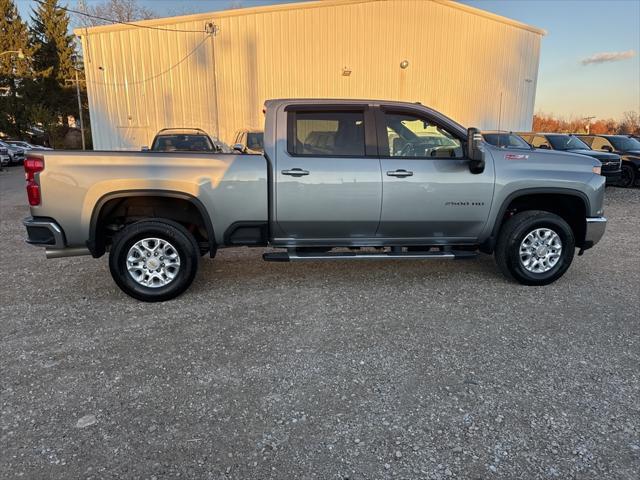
x: 4, y: 157
x: 26, y: 145
x: 16, y: 154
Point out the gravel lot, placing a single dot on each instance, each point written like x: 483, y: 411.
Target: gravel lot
x: 373, y: 370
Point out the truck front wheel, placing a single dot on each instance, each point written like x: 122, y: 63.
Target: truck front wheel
x: 535, y: 247
x: 154, y: 260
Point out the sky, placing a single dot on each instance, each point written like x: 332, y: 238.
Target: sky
x: 589, y: 59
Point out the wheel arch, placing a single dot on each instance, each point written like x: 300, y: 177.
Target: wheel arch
x: 96, y: 242
x: 543, y: 199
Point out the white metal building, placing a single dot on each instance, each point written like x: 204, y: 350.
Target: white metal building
x: 476, y: 67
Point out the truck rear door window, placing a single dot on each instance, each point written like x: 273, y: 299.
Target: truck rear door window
x: 328, y: 134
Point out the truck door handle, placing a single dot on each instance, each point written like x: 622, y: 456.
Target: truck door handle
x: 295, y: 172
x: 400, y: 173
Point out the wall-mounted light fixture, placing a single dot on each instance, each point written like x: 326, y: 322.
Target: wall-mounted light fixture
x: 404, y: 64
x: 346, y: 71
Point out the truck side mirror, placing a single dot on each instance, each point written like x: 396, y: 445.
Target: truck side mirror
x: 475, y: 154
x: 238, y: 147
x: 145, y: 148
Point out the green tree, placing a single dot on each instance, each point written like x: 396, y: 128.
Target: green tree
x: 15, y: 69
x: 54, y: 64
x: 55, y: 47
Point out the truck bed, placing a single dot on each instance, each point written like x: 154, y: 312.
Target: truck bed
x: 231, y: 187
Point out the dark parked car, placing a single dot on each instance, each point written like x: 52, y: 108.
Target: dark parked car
x: 186, y: 140
x: 611, y: 163
x: 625, y: 146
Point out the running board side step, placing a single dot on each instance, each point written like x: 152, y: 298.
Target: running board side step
x: 294, y: 256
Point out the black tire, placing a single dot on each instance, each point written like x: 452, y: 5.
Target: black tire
x: 179, y: 238
x: 628, y: 177
x: 512, y: 234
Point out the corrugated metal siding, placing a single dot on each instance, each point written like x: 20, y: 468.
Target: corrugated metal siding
x: 460, y: 63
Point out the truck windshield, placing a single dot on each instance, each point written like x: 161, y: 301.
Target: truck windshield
x: 505, y: 140
x: 567, y: 142
x: 625, y: 144
x: 182, y: 143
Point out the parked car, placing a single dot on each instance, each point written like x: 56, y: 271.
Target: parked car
x: 624, y: 145
x: 186, y: 140
x: 611, y: 163
x: 26, y: 145
x: 4, y: 156
x: 448, y: 200
x: 505, y: 140
x: 249, y: 140
x: 16, y: 154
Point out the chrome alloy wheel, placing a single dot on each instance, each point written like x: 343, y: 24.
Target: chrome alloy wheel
x: 540, y: 250
x: 153, y: 262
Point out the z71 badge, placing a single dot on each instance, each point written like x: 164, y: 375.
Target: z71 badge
x: 515, y: 156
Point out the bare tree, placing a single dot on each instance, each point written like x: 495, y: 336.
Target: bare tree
x: 630, y: 124
x: 116, y: 10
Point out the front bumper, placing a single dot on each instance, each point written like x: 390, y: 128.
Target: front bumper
x: 44, y: 232
x: 612, y: 178
x: 594, y: 231
x: 17, y: 158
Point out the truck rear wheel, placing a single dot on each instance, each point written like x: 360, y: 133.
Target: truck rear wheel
x: 535, y: 247
x: 154, y: 260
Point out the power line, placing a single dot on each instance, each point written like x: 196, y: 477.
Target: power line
x: 148, y: 27
x: 145, y: 80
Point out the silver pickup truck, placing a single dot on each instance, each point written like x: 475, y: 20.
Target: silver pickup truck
x: 339, y: 180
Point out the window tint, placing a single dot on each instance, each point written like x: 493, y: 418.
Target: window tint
x: 255, y: 141
x: 599, y: 142
x: 540, y: 142
x: 587, y: 139
x: 412, y: 136
x: 182, y: 143
x: 505, y: 140
x: 566, y: 142
x: 625, y: 143
x: 329, y: 134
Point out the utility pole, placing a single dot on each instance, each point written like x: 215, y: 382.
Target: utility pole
x: 588, y: 125
x: 500, y: 113
x: 74, y: 58
x: 75, y: 69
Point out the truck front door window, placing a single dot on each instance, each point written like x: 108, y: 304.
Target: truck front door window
x: 411, y: 136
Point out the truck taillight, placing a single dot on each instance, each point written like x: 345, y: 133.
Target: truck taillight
x: 33, y: 165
